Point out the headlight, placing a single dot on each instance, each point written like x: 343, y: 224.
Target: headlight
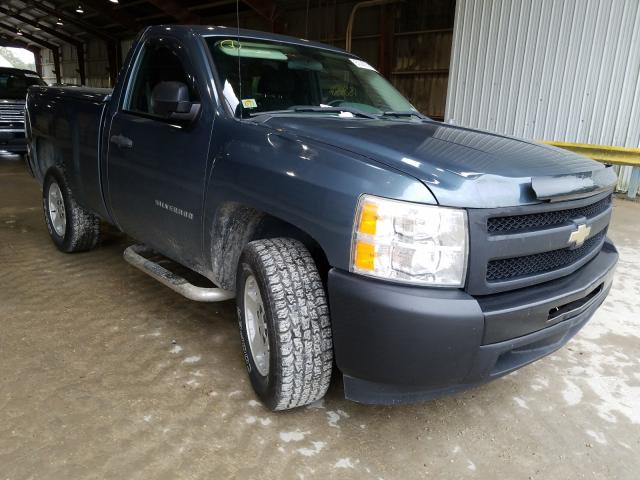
x: 410, y: 242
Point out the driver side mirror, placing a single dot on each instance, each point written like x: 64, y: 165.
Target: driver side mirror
x: 171, y: 100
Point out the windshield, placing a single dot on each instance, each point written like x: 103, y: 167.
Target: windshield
x: 278, y: 76
x: 13, y: 85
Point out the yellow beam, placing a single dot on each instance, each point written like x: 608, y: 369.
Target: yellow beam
x: 602, y: 153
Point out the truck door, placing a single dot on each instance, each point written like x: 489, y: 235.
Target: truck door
x: 157, y: 166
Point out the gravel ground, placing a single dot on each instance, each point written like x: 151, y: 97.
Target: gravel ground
x: 105, y: 373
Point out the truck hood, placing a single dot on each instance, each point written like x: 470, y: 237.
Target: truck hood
x: 462, y: 167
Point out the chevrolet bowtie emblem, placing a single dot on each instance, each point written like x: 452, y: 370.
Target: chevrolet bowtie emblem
x: 578, y: 237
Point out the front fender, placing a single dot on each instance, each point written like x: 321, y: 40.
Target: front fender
x: 313, y: 186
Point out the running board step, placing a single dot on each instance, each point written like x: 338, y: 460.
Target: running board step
x: 134, y: 256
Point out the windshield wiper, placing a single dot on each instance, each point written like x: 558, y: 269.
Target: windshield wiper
x: 314, y: 109
x: 353, y: 111
x: 404, y: 113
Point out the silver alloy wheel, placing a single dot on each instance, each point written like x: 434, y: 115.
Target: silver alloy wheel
x: 256, y: 325
x: 57, y: 212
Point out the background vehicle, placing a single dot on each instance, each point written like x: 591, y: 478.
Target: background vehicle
x: 425, y: 257
x: 13, y: 91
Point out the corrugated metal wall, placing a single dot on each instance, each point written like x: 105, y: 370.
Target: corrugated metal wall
x: 566, y: 70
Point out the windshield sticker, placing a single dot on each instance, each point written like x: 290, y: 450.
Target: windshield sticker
x: 361, y: 64
x: 249, y: 103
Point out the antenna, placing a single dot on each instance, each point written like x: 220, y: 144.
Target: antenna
x: 239, y: 47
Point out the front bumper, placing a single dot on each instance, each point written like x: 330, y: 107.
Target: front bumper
x: 13, y: 140
x: 397, y: 343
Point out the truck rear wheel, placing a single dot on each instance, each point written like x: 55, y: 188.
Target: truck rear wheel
x: 70, y: 226
x: 284, y: 323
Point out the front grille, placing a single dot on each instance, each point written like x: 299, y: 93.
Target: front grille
x: 534, y: 221
x: 512, y: 268
x: 525, y: 232
x: 11, y: 113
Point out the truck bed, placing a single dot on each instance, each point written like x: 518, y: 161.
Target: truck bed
x: 66, y: 123
x: 88, y: 94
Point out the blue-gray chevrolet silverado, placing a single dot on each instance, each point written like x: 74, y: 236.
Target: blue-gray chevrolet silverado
x: 422, y: 258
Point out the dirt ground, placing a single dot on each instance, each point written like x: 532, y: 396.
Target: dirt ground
x: 105, y: 373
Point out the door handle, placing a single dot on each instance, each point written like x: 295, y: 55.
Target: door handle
x: 122, y: 141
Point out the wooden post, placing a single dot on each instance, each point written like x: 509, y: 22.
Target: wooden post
x: 387, y: 24
x: 112, y: 55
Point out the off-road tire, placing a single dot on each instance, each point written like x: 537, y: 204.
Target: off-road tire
x: 297, y: 319
x: 82, y: 230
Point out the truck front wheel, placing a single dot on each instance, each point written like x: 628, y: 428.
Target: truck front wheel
x: 70, y: 226
x: 284, y: 323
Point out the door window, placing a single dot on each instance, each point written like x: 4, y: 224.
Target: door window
x: 159, y: 63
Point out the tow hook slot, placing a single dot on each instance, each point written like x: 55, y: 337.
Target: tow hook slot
x: 138, y: 256
x: 579, y: 304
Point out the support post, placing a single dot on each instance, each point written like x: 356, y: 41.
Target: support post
x: 55, y: 51
x: 352, y: 16
x: 634, y: 183
x: 112, y: 56
x: 37, y: 57
x: 387, y: 24
x: 81, y: 65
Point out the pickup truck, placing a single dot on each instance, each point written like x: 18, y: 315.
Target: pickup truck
x: 419, y: 258
x: 14, y: 83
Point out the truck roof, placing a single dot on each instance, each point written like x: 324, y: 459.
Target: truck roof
x: 222, y: 31
x: 17, y: 70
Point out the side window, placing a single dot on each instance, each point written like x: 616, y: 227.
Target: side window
x: 159, y: 63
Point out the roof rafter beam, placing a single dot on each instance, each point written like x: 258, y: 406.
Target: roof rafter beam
x: 98, y: 32
x: 34, y: 23
x: 7, y: 41
x: 177, y: 11
x: 54, y: 33
x: 115, y: 15
x: 120, y: 6
x: 40, y: 41
x: 264, y: 8
x: 192, y: 9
